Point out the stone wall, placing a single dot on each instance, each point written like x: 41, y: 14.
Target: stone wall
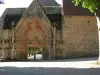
x: 80, y: 36
x: 32, y: 32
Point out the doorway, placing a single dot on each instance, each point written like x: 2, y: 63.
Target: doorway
x: 35, y: 53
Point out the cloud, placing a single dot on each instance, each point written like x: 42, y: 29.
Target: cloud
x: 17, y: 3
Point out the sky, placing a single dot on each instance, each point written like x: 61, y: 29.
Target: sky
x: 18, y: 4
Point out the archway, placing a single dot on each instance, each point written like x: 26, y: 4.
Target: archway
x: 33, y: 35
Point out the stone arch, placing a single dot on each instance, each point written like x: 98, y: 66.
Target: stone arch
x: 34, y: 31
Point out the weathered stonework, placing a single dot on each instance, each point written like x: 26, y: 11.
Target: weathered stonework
x: 76, y: 37
x: 80, y: 36
x: 32, y: 33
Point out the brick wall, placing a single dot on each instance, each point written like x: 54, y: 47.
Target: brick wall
x: 80, y: 36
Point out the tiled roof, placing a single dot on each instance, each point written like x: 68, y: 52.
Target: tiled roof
x: 50, y: 6
x: 34, y: 10
x: 1, y: 22
x: 48, y: 3
x: 11, y: 11
x: 43, y: 3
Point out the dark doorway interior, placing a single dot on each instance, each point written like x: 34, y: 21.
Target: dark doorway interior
x: 57, y: 18
x: 9, y: 19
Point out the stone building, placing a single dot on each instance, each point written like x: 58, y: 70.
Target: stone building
x: 79, y: 31
x: 61, y: 32
x: 32, y: 26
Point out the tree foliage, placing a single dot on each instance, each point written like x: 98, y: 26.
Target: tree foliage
x: 92, y: 5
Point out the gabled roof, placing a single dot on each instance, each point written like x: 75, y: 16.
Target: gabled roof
x: 48, y: 3
x: 44, y: 3
x: 13, y: 11
x: 42, y: 7
x: 37, y: 6
x: 50, y: 6
x: 34, y: 10
x: 1, y: 22
x: 10, y: 11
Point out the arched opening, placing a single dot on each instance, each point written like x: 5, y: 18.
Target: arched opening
x: 34, y: 53
x: 32, y: 38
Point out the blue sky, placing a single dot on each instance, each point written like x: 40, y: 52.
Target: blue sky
x: 18, y: 4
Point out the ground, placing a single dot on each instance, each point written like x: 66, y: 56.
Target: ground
x: 81, y: 66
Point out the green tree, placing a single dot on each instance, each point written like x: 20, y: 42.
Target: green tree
x: 93, y: 6
x: 34, y: 51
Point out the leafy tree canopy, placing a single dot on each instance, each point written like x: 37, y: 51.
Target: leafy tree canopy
x: 92, y: 5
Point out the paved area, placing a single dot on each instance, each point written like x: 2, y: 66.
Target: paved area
x: 83, y: 66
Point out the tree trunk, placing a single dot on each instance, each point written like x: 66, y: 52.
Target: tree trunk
x: 34, y: 56
x: 98, y: 24
x: 99, y: 42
